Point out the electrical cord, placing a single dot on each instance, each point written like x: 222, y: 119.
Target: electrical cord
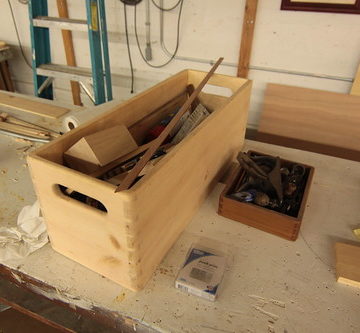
x: 166, y: 9
x: 128, y: 48
x: 18, y: 37
x: 181, y: 2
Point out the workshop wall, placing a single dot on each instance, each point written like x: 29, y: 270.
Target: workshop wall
x: 314, y: 43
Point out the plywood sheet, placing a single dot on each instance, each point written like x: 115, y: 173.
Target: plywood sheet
x: 348, y: 264
x: 29, y: 105
x: 310, y: 119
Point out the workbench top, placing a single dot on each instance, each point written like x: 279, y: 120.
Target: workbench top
x: 271, y: 284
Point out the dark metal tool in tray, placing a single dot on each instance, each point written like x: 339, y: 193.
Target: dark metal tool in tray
x: 268, y: 182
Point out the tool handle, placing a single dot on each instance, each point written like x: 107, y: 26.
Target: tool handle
x: 129, y: 179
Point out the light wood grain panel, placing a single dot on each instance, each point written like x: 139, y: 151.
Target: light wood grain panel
x: 247, y: 37
x: 348, y: 264
x: 69, y: 50
x: 313, y: 116
x: 79, y: 231
x: 32, y: 106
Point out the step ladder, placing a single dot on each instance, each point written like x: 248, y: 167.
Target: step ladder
x: 44, y: 72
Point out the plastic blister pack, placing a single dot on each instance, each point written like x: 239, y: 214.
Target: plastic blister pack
x: 202, y: 271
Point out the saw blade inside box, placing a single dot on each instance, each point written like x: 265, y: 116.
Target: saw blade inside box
x: 198, y: 115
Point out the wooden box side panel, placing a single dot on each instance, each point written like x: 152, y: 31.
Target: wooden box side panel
x: 126, y: 113
x: 95, y: 239
x: 306, y: 192
x: 212, y: 102
x: 268, y: 221
x: 220, y: 80
x: 168, y: 197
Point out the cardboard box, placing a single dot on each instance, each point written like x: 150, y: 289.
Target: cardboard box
x: 127, y: 240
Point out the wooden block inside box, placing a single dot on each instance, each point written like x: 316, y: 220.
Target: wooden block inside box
x: 262, y: 218
x: 100, y: 148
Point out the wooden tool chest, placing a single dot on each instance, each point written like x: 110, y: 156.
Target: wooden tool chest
x: 263, y: 218
x: 129, y: 239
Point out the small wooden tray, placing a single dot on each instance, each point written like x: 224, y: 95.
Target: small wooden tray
x: 259, y: 217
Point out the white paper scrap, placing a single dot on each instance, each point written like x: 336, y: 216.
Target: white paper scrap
x: 29, y: 235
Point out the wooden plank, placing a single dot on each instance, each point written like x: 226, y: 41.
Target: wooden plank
x: 41, y: 134
x: 13, y: 120
x: 161, y: 138
x: 311, y: 119
x: 32, y: 106
x: 247, y: 37
x: 355, y: 89
x: 348, y: 264
x: 69, y: 50
x: 190, y: 89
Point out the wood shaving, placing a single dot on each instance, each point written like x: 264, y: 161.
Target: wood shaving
x: 271, y: 315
